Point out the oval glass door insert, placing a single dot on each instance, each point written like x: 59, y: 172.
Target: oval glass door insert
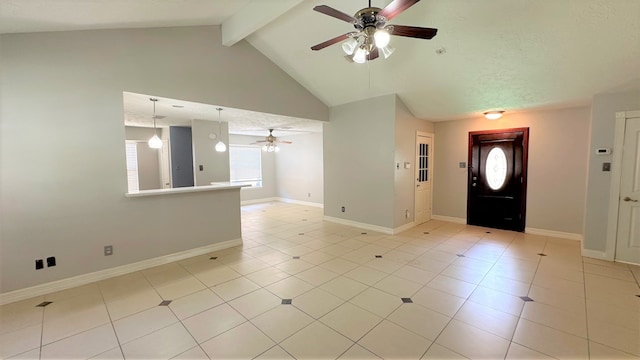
x: 496, y: 168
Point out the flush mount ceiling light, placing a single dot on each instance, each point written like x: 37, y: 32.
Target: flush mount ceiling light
x: 220, y: 146
x: 494, y: 114
x: 154, y: 142
x: 372, y: 34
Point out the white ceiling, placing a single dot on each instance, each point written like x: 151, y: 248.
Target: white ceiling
x: 138, y: 111
x: 499, y: 54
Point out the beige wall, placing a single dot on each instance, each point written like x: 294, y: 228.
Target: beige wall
x: 299, y: 169
x: 557, y: 171
x: 359, y: 161
x: 61, y: 96
x: 215, y: 165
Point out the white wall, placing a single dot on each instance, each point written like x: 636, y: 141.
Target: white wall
x: 269, y: 179
x: 358, y: 161
x: 215, y: 165
x: 599, y: 183
x: 557, y: 171
x: 405, y: 145
x: 63, y: 194
x: 299, y: 169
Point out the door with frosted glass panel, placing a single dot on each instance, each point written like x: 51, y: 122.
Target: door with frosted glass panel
x: 497, y: 178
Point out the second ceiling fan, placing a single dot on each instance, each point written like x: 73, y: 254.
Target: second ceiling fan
x: 372, y: 30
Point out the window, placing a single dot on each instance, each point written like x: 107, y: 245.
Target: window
x: 496, y: 168
x: 245, y: 163
x: 131, y: 149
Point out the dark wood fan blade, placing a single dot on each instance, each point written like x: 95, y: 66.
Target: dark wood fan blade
x: 414, y: 31
x: 374, y: 54
x: 329, y: 42
x: 396, y: 7
x: 327, y: 10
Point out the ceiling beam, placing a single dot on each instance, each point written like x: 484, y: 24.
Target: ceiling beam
x: 255, y: 15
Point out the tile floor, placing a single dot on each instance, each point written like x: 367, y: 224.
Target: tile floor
x: 474, y: 293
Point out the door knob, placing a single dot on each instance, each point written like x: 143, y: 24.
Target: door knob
x: 629, y: 199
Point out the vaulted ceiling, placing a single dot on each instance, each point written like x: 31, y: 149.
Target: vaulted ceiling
x: 492, y: 54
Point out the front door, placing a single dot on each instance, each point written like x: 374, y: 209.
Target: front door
x: 628, y: 239
x: 497, y: 184
x: 424, y: 174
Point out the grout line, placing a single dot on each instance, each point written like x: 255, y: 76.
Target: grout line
x: 115, y: 333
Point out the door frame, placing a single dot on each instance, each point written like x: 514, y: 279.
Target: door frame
x: 616, y: 178
x: 525, y: 166
x: 431, y: 168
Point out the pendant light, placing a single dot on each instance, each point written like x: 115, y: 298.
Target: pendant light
x: 155, y: 142
x: 220, y: 146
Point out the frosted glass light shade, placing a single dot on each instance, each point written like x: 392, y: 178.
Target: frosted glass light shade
x: 221, y: 147
x: 381, y: 38
x: 493, y: 115
x: 387, y: 51
x: 349, y: 46
x: 155, y: 142
x: 360, y: 56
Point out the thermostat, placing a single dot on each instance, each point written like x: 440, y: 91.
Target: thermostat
x: 603, y: 151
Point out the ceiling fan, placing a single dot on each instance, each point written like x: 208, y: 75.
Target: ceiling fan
x: 271, y: 142
x: 372, y: 33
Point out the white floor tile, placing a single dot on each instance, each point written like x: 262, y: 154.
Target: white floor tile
x: 212, y: 322
x: 242, y: 342
x: 390, y: 341
x: 162, y: 344
x: 316, y: 341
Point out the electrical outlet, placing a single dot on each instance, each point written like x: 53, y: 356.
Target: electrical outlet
x: 342, y: 209
x: 406, y: 214
x: 108, y: 250
x: 309, y: 195
x: 39, y: 264
x: 51, y: 261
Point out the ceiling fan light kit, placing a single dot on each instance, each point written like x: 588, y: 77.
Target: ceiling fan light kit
x: 271, y: 143
x: 372, y: 34
x: 493, y: 114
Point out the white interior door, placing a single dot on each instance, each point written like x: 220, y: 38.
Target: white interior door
x: 628, y: 238
x: 424, y: 174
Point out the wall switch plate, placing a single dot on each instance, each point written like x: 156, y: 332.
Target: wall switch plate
x: 462, y: 165
x: 342, y: 209
x: 606, y: 166
x: 407, y: 165
x: 39, y: 264
x: 51, y: 261
x: 108, y: 250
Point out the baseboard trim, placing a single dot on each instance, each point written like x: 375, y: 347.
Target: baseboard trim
x: 449, y: 219
x: 595, y: 254
x: 63, y: 284
x: 555, y: 234
x: 404, y: 227
x: 299, y: 202
x: 259, y: 201
x: 381, y: 229
x: 284, y: 200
